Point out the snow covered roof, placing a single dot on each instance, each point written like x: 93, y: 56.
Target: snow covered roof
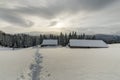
x: 87, y: 43
x: 50, y: 42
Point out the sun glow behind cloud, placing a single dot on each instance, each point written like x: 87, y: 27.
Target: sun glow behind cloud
x: 50, y: 16
x: 59, y: 25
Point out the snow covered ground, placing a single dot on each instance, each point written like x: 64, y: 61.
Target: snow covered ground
x: 60, y: 63
x: 15, y: 63
x: 81, y: 64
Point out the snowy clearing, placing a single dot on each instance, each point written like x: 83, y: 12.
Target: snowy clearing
x: 81, y: 64
x: 15, y: 63
x: 60, y: 63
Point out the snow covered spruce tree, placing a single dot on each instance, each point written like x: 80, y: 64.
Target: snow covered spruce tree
x: 24, y: 40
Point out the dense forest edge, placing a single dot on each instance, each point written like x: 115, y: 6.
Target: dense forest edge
x: 25, y: 40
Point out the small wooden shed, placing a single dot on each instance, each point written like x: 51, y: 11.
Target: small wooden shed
x: 49, y: 42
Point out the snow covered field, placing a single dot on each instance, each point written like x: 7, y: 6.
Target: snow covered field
x: 81, y: 64
x: 61, y: 63
x: 15, y: 63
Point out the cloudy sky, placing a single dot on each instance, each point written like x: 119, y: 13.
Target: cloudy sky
x: 89, y: 16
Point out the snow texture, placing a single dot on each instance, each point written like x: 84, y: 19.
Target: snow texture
x: 20, y: 64
x: 14, y: 64
x: 81, y: 64
x: 60, y: 63
x: 36, y: 68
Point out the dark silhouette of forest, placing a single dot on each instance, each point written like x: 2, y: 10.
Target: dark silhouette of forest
x: 25, y: 40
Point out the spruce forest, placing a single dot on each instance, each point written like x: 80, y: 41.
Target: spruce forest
x: 25, y: 40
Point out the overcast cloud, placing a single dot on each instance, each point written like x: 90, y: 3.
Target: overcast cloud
x: 77, y: 14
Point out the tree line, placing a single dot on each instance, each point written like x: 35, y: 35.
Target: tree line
x: 25, y: 40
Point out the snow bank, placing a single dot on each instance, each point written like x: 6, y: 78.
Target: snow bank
x: 4, y: 48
